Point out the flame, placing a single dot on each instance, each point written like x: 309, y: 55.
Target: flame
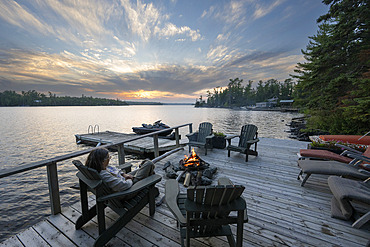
x: 193, y: 160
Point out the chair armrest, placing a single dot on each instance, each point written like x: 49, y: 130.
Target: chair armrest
x: 192, y: 136
x: 142, y: 184
x: 93, y: 184
x: 210, y: 136
x: 253, y: 141
x: 172, y: 191
x: 347, y: 149
x: 229, y: 137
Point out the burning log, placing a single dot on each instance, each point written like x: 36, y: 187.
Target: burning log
x: 193, y: 162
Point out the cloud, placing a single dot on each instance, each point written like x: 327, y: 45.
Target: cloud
x: 147, y: 21
x: 170, y: 30
x: 262, y: 10
x: 17, y: 15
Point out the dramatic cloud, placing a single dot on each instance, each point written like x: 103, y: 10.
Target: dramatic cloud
x: 148, y: 50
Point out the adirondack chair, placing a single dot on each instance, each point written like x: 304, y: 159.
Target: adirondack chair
x: 202, y: 138
x: 247, y: 137
x: 205, y: 211
x: 140, y: 194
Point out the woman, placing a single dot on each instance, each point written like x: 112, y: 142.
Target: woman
x: 117, y: 180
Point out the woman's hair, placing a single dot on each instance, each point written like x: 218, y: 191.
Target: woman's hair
x: 96, y: 158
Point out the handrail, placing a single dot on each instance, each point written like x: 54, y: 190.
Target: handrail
x: 38, y: 164
x: 51, y: 164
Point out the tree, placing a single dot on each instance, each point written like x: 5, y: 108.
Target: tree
x: 333, y: 83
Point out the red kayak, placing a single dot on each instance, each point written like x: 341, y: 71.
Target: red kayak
x: 355, y: 139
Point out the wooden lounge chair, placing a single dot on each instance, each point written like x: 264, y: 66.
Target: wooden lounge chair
x: 140, y: 194
x: 347, y: 190
x: 205, y: 211
x: 202, y: 138
x: 247, y: 137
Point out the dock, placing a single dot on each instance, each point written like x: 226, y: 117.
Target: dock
x: 281, y: 212
x: 144, y: 146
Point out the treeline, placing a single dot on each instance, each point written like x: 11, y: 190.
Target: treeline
x: 33, y: 98
x: 237, y: 95
x: 334, y: 82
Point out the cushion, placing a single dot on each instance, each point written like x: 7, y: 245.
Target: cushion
x: 324, y: 154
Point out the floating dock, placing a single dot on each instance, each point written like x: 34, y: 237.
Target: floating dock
x: 144, y: 146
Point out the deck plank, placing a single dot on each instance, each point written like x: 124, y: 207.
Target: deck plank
x: 281, y: 212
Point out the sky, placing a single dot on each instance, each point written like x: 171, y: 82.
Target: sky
x: 162, y: 51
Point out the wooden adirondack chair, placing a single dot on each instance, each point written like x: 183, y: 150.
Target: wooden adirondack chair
x: 143, y: 192
x: 247, y: 137
x: 202, y: 138
x: 205, y: 211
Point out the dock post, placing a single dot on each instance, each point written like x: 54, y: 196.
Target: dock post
x: 190, y: 128
x: 177, y: 137
x: 121, y: 154
x: 53, y: 188
x: 156, y: 150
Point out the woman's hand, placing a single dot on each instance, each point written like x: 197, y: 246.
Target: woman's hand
x: 127, y: 176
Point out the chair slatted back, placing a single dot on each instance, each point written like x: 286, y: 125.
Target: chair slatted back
x: 214, y: 195
x: 247, y: 133
x: 205, y: 129
x: 218, y: 195
x: 92, y: 174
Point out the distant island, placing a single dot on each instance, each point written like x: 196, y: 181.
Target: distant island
x: 33, y: 98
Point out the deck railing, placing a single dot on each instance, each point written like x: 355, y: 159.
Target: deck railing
x: 52, y: 170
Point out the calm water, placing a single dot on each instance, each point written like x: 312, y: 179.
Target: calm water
x: 29, y: 134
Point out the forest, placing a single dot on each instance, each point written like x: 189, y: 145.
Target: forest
x: 33, y: 98
x: 332, y: 87
x: 237, y: 95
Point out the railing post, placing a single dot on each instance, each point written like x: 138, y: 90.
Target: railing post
x: 156, y: 150
x: 190, y: 128
x: 177, y: 137
x: 121, y: 154
x: 53, y: 188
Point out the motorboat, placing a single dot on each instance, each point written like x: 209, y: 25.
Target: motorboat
x: 149, y: 128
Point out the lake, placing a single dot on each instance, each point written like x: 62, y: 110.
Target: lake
x: 30, y: 134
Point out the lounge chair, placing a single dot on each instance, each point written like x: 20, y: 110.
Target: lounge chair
x: 202, y: 138
x: 347, y: 190
x: 310, y: 167
x: 205, y: 211
x: 359, y: 167
x: 248, y: 136
x: 328, y: 155
x: 140, y: 194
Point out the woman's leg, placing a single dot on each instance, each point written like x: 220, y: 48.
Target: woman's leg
x: 145, y: 170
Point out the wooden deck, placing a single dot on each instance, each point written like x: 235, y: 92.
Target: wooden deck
x: 281, y: 213
x: 144, y: 146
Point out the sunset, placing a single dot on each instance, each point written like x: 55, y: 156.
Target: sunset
x: 185, y: 123
x: 165, y: 51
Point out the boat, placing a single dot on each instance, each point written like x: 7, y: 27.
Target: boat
x: 149, y: 128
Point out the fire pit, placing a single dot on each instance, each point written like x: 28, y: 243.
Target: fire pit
x: 193, y: 162
x: 194, y: 171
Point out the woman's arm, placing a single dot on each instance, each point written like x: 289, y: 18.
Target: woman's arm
x: 116, y: 183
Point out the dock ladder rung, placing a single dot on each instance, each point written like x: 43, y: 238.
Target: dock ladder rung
x: 94, y: 129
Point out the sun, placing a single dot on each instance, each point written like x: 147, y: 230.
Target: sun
x: 143, y: 94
